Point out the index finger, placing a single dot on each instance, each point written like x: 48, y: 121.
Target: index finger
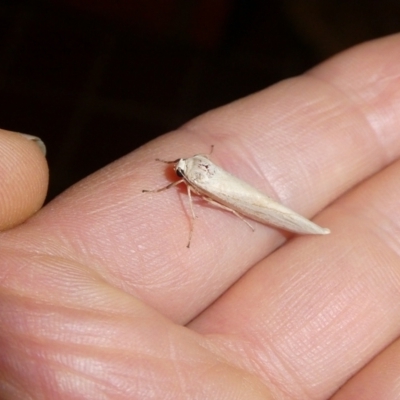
x: 304, y: 142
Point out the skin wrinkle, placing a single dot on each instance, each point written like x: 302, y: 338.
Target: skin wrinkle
x: 385, y: 231
x: 364, y: 106
x: 252, y: 359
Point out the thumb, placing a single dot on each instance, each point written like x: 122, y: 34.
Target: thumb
x: 23, y: 177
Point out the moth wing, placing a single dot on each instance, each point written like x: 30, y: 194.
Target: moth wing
x: 238, y: 195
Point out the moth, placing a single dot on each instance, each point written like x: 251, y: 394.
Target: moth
x: 220, y: 188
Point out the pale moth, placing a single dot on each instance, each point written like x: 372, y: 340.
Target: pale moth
x: 224, y: 190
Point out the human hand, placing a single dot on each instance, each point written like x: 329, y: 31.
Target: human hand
x: 101, y: 299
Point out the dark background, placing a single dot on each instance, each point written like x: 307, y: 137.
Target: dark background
x: 97, y: 78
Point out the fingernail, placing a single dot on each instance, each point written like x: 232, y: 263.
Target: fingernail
x: 37, y: 140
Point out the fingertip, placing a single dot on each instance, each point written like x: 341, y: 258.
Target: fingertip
x: 23, y: 177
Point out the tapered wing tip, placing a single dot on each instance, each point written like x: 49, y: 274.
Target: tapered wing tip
x: 325, y: 231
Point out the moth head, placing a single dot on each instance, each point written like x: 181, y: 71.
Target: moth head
x: 180, y: 168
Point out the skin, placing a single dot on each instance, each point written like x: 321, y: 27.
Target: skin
x: 101, y: 299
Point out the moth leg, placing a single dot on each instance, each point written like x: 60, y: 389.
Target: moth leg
x: 170, y: 185
x: 189, y: 191
x: 213, y: 202
x: 167, y: 162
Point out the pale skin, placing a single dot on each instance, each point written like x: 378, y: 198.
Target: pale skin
x: 101, y: 299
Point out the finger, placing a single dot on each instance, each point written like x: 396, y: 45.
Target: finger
x: 316, y: 312
x: 305, y: 142
x: 23, y: 177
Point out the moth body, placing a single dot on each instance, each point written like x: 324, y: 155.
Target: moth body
x: 224, y: 190
x: 211, y: 181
